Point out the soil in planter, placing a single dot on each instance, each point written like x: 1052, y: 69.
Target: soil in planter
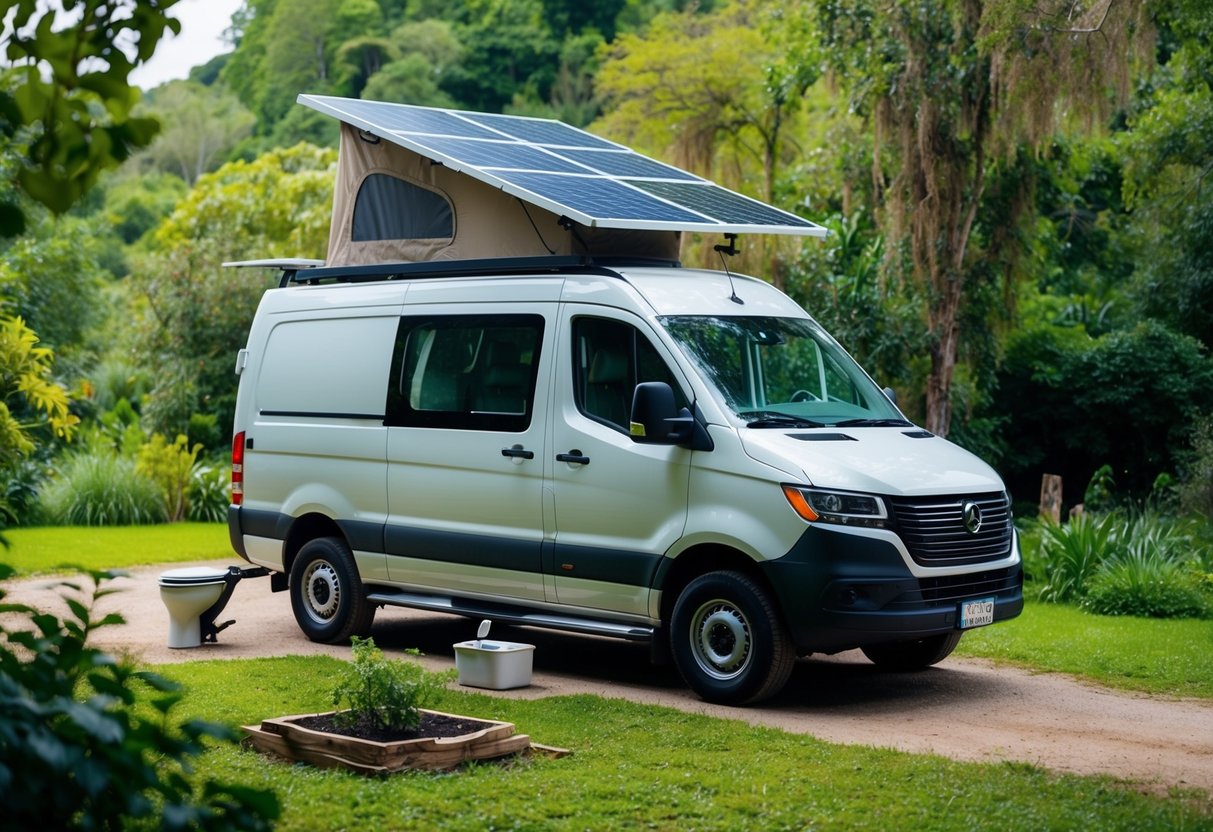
x: 431, y: 725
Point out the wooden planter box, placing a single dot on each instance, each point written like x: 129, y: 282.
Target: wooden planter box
x: 284, y: 738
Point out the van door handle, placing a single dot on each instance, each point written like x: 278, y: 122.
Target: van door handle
x: 517, y: 452
x: 574, y: 456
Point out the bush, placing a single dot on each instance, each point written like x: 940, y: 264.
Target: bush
x: 76, y: 752
x: 171, y: 468
x: 1196, y: 487
x: 1147, y: 585
x: 209, y: 494
x: 102, y: 489
x: 385, y: 692
x: 1071, y: 553
x: 1064, y: 387
x: 1121, y: 564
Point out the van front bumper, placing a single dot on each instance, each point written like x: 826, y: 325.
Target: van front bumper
x: 839, y: 591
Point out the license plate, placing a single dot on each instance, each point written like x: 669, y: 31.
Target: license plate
x: 976, y: 613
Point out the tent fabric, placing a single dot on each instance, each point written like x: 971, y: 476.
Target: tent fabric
x: 393, y: 205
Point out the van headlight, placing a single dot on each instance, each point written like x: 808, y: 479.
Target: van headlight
x: 843, y: 507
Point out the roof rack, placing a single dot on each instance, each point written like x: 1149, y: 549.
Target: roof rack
x: 465, y: 268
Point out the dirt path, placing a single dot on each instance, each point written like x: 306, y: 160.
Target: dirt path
x: 964, y: 709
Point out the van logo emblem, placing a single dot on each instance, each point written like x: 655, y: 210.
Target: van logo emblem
x: 971, y: 514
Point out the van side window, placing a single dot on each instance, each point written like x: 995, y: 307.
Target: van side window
x: 466, y: 372
x: 609, y: 359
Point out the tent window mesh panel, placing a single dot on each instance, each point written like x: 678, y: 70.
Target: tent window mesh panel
x: 388, y: 208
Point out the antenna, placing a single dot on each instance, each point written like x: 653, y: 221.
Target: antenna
x: 729, y: 248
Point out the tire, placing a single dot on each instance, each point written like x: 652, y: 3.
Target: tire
x: 913, y: 655
x: 327, y: 594
x: 728, y: 641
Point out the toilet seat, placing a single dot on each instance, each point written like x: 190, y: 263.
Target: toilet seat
x: 193, y: 576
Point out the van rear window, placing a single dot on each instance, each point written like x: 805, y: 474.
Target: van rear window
x: 469, y: 372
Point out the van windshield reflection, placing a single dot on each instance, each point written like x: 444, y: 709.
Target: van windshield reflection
x: 781, y: 372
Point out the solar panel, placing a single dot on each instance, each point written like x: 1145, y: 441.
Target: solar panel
x: 566, y: 170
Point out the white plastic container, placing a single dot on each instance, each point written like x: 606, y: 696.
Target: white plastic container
x: 496, y: 665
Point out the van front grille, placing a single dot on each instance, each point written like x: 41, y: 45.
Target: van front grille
x: 949, y: 589
x: 933, y: 528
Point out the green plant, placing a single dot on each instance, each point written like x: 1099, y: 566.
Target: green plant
x: 1139, y: 563
x: 387, y: 693
x: 75, y: 752
x: 1098, y: 495
x: 208, y: 495
x: 102, y: 489
x: 1196, y: 486
x: 170, y: 467
x: 1070, y: 553
x: 1146, y: 583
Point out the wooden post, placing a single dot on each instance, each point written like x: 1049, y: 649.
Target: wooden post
x: 1050, y: 497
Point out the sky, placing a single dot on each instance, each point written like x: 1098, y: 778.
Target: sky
x: 202, y: 25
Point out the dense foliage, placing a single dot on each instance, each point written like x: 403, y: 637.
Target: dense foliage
x: 1016, y: 194
x: 74, y: 751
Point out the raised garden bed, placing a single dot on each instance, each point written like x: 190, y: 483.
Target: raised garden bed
x: 441, y: 741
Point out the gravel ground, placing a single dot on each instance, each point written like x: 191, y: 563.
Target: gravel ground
x: 965, y: 709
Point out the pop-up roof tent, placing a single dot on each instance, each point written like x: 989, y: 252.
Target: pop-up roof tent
x: 418, y: 183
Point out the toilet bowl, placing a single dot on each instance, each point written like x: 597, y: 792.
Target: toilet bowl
x: 193, y: 597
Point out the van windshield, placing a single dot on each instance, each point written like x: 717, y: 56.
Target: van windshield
x: 782, y: 372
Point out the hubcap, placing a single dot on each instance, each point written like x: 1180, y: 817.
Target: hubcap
x: 720, y: 639
x: 322, y: 591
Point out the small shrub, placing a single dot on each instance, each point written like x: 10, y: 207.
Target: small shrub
x: 387, y: 693
x: 1126, y: 564
x: 101, y: 489
x: 204, y: 429
x: 1071, y: 553
x: 209, y: 494
x: 76, y: 752
x: 1099, y: 491
x: 1195, y: 489
x: 170, y: 467
x: 1149, y: 585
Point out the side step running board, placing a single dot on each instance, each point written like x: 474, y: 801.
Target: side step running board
x: 511, y: 615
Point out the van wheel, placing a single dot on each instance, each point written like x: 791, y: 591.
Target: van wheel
x: 913, y: 655
x: 327, y: 594
x: 727, y: 640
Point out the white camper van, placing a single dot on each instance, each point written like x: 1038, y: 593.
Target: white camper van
x: 619, y: 447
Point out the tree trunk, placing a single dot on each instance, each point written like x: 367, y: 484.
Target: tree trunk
x: 943, y: 319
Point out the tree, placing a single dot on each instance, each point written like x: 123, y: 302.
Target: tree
x: 1169, y: 151
x: 29, y: 398
x: 66, y: 109
x: 199, y: 127
x: 196, y: 313
x: 712, y: 93
x: 53, y: 280
x: 953, y: 91
x: 508, y: 47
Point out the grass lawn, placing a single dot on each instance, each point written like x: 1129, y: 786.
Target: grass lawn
x: 1173, y: 657
x: 52, y: 549
x: 637, y: 767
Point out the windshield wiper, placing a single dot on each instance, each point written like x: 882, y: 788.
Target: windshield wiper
x: 873, y: 423
x: 779, y: 420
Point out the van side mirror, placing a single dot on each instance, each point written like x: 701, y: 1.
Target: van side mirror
x: 891, y: 394
x: 656, y: 419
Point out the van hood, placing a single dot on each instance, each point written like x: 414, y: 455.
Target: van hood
x: 890, y: 461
